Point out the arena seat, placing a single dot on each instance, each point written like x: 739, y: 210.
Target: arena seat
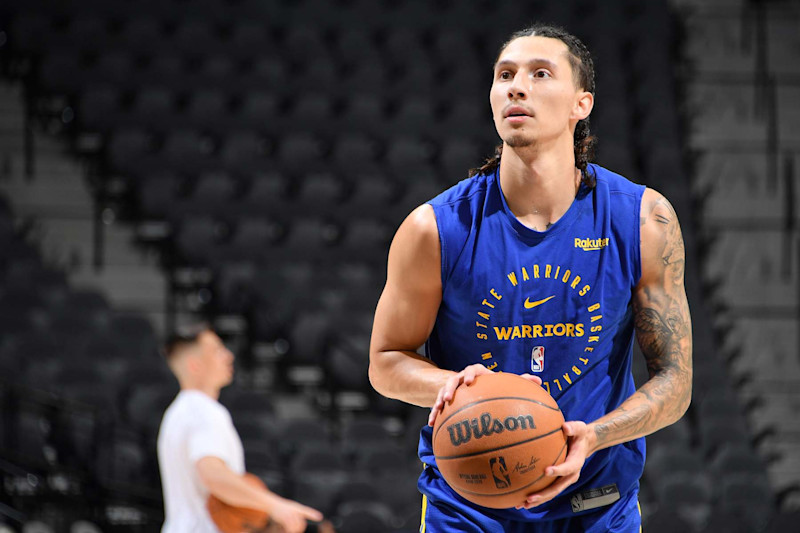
x: 99, y: 109
x: 364, y: 517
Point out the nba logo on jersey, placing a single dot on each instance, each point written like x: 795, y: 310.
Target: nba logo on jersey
x: 537, y: 359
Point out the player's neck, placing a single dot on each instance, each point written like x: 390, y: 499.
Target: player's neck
x: 212, y: 392
x: 539, y: 186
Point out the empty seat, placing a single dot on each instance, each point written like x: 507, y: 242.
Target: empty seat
x: 408, y: 155
x: 187, y: 151
x: 249, y: 38
x: 244, y: 152
x: 364, y: 517
x: 165, y: 69
x: 266, y: 195
x: 264, y: 73
x: 358, y: 45
x: 250, y: 238
x: 197, y: 240
x: 355, y: 152
x: 213, y: 193
x: 157, y: 194
x: 195, y: 37
x: 316, y: 109
x: 206, y: 109
x: 365, y: 114
x: 142, y: 34
x: 99, y: 109
x: 372, y: 195
x: 215, y: 71
x: 365, y: 239
x: 303, y: 43
x: 129, y: 151
x: 457, y: 157
x: 413, y: 115
x: 320, y: 193
x: 405, y: 44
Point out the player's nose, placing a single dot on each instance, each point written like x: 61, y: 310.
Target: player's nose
x: 517, y: 89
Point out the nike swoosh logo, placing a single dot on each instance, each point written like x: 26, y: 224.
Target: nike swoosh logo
x: 530, y: 305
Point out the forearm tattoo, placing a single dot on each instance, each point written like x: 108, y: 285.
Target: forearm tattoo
x: 663, y: 329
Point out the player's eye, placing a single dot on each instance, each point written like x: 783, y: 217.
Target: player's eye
x: 505, y: 75
x: 541, y: 73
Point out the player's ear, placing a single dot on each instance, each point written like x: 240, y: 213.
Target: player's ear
x: 584, y: 103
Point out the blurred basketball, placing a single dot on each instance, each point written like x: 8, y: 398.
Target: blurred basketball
x: 494, y: 440
x: 230, y: 519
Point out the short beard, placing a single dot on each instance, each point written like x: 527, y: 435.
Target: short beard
x: 519, y: 141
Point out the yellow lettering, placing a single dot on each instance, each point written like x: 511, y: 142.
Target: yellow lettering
x: 481, y: 325
x: 570, y: 330
x: 486, y: 302
x: 483, y: 336
x: 483, y: 316
x: 588, y: 349
x: 537, y: 331
x: 493, y: 293
x: 536, y: 271
x: 584, y: 360
x: 579, y: 330
x: 525, y: 274
x: 559, y: 330
x: 594, y: 338
x: 565, y: 277
x: 595, y: 318
x: 576, y: 370
x: 577, y: 242
x: 526, y: 331
x: 487, y: 355
x: 584, y: 290
x: 547, y: 269
x: 593, y: 308
x: 516, y: 334
x: 513, y: 278
x: 558, y: 269
x: 502, y: 333
x: 567, y: 379
x: 493, y: 366
x: 546, y: 386
x: 575, y: 281
x: 595, y: 329
x: 558, y: 383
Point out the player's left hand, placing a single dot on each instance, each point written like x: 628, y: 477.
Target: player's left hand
x: 580, y: 441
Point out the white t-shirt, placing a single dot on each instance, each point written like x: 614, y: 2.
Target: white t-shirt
x: 194, y: 426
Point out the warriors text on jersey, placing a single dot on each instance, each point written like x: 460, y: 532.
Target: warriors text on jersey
x: 556, y: 304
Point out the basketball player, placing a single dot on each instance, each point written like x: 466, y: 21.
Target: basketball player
x: 542, y: 264
x: 199, y: 450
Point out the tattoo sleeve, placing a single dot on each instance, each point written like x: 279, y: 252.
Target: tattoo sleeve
x: 663, y: 330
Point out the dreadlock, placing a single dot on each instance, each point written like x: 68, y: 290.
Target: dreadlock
x: 583, y: 69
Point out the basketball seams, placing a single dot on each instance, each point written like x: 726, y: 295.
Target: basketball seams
x: 485, y: 400
x: 473, y: 454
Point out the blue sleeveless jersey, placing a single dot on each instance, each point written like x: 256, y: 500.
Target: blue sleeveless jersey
x: 556, y: 304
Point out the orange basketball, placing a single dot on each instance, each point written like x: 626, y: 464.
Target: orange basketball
x: 493, y: 442
x: 230, y: 519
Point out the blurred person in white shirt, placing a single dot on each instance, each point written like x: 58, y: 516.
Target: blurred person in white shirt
x: 200, y: 452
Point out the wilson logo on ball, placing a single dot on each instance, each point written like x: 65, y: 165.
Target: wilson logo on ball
x: 465, y: 430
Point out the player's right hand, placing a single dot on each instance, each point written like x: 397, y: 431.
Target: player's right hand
x: 465, y: 377
x: 292, y: 516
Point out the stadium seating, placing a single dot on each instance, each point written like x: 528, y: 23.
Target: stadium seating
x: 280, y: 144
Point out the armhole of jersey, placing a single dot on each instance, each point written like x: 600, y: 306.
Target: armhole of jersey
x: 442, y: 247
x: 637, y: 273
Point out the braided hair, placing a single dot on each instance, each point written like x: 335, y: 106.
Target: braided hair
x: 583, y: 70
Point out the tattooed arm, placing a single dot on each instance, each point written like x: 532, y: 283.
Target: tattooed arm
x: 663, y: 329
